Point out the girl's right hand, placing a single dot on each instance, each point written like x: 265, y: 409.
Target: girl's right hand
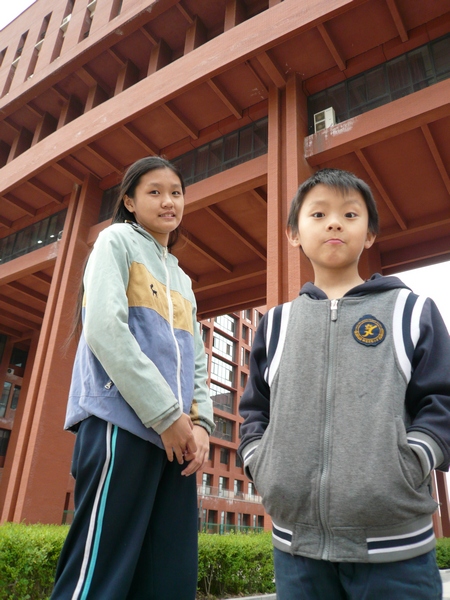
x: 179, y: 439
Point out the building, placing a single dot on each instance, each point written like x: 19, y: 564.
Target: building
x: 248, y: 97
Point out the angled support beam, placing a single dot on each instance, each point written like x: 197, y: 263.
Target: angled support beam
x: 71, y: 109
x: 117, y: 56
x: 237, y: 231
x: 128, y: 76
x: 26, y: 291
x: 89, y: 78
x: 160, y: 56
x: 21, y: 143
x: 276, y: 75
x: 104, y: 156
x: 208, y: 252
x: 181, y: 120
x: 5, y: 222
x: 141, y: 139
x: 436, y: 156
x: 222, y: 93
x: 196, y: 35
x: 244, y: 272
x: 397, y: 18
x: 11, y: 332
x: 96, y: 95
x: 45, y: 189
x: 18, y: 319
x: 69, y: 171
x: 42, y: 277
x: 235, y: 13
x: 27, y: 310
x: 185, y: 12
x: 381, y: 190
x: 227, y: 302
x: 260, y: 82
x: 46, y: 126
x: 19, y: 204
x: 151, y: 38
x: 261, y: 196
x: 331, y: 46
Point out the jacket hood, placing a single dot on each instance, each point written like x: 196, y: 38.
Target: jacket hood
x: 376, y: 284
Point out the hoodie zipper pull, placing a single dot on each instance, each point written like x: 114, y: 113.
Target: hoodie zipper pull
x: 334, y: 307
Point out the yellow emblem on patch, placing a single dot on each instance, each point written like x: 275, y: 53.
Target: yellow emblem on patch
x: 369, y: 331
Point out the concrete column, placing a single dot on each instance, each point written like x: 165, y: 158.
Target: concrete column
x: 36, y: 491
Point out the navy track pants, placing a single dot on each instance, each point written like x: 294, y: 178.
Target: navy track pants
x: 134, y: 533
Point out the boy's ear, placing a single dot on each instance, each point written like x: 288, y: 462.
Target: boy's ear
x: 370, y: 239
x: 293, y: 238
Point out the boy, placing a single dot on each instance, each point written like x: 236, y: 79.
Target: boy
x: 346, y: 413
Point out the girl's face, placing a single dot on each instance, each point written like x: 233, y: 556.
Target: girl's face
x: 158, y: 203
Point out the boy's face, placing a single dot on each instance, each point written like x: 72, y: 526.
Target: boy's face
x: 332, y: 228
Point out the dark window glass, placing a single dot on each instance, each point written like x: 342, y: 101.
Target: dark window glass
x: 4, y: 398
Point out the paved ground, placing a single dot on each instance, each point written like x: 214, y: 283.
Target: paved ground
x: 444, y: 574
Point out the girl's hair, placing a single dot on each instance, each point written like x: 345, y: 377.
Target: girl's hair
x: 131, y: 180
x: 121, y: 214
x: 339, y: 180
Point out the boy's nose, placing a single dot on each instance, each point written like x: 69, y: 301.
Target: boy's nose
x: 334, y: 225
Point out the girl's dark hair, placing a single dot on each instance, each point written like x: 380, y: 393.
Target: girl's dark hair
x: 131, y: 180
x: 340, y: 180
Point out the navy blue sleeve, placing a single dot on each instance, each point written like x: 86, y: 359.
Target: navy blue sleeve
x: 428, y: 394
x: 254, y: 406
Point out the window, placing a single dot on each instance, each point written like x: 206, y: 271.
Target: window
x: 211, y: 452
x: 4, y: 440
x: 227, y: 323
x: 223, y: 486
x: 222, y: 398
x: 245, y: 356
x: 206, y: 483
x: 238, y: 488
x: 5, y: 397
x: 223, y: 346
x: 248, y: 314
x: 251, y: 489
x: 245, y: 331
x: 224, y: 428
x: 222, y: 371
x: 244, y: 378
x: 224, y: 456
x: 205, y: 335
x: 238, y: 461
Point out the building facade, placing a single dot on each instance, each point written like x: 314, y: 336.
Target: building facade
x: 248, y: 98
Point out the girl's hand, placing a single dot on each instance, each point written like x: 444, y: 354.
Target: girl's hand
x: 179, y: 439
x: 198, y: 458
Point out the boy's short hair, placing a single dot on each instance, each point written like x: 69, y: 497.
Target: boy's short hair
x: 340, y: 180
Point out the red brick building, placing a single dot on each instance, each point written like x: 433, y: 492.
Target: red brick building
x: 248, y: 97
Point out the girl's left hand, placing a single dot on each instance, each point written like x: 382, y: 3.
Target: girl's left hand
x: 197, y: 459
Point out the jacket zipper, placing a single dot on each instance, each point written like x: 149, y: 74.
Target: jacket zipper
x: 327, y: 431
x: 170, y: 304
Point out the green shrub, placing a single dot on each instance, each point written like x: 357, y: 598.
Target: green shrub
x: 443, y: 553
x: 28, y: 556
x: 235, y: 564
x: 229, y: 565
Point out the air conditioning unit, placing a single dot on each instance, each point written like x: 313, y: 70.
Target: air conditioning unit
x: 65, y: 23
x: 324, y: 119
x: 10, y: 371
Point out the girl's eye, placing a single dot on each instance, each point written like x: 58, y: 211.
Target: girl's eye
x: 317, y: 215
x: 351, y: 215
x: 154, y: 192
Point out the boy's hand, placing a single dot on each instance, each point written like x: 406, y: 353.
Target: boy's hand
x: 198, y: 458
x: 179, y: 439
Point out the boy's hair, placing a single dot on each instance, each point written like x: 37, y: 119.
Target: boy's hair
x: 340, y: 180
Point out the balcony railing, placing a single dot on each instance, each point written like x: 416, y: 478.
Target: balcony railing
x: 221, y: 529
x: 31, y: 238
x: 215, y: 492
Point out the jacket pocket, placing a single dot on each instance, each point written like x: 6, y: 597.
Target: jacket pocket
x: 409, y: 462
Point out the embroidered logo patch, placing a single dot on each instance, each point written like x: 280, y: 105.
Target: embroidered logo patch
x: 369, y: 331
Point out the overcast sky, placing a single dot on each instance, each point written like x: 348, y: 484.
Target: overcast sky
x: 431, y: 281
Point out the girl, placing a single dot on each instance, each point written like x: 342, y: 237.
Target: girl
x: 139, y: 404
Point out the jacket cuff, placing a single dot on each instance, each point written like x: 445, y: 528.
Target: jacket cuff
x: 205, y: 424
x: 247, y: 454
x: 426, y: 449
x: 161, y: 426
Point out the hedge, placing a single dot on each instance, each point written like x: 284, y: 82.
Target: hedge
x: 229, y: 565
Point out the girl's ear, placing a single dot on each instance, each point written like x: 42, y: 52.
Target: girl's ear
x: 293, y: 238
x: 370, y: 239
x: 128, y: 203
